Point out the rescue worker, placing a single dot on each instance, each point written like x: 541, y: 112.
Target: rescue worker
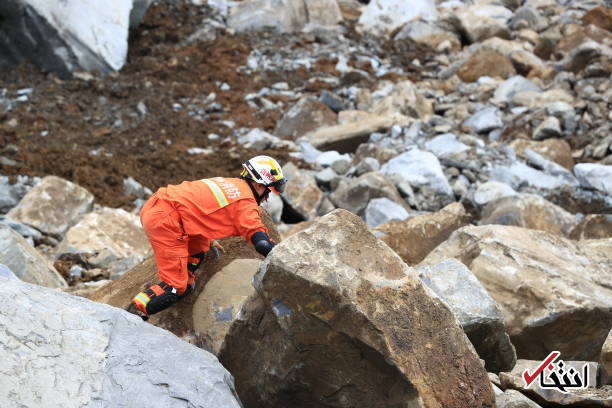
x: 183, y: 221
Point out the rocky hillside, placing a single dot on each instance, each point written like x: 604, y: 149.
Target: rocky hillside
x: 447, y: 221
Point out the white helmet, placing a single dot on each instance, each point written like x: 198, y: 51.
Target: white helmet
x: 264, y: 170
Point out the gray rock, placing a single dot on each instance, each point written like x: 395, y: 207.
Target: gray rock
x: 324, y: 177
x: 514, y: 399
x: 74, y: 352
x: 5, y: 272
x: 111, y: 229
x: 550, y: 127
x: 595, y: 176
x: 382, y: 210
x: 11, y: 194
x: 259, y: 140
x: 133, y: 187
x: 417, y: 29
x: 282, y: 16
x: 139, y: 9
x: 332, y: 101
x: 302, y: 196
x: 389, y: 15
x: 550, y: 167
x: 519, y: 175
x: 484, y: 120
x: 421, y: 169
x: 23, y: 230
x: 367, y: 165
x: 53, y: 206
x: 306, y: 115
x: 491, y: 191
x: 559, y: 109
x: 354, y: 194
x: 511, y: 86
x: 481, y: 21
x: 445, y: 145
x: 529, y: 211
x: 342, y: 165
x: 528, y: 17
x: 27, y: 263
x: 326, y: 159
x: 65, y: 36
x: 477, y: 312
x: 274, y: 206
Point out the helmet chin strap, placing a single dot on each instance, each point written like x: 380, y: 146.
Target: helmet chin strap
x: 258, y: 198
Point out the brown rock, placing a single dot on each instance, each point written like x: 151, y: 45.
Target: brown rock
x: 599, y: 16
x: 306, y: 115
x: 295, y: 228
x: 302, y: 195
x: 557, y: 150
x: 414, y: 238
x: 486, y: 63
x: 548, y: 288
x: 178, y: 318
x: 381, y: 154
x: 529, y: 211
x: 217, y: 307
x: 594, y: 226
x: 343, y: 322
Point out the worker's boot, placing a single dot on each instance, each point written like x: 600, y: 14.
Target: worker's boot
x: 153, y: 300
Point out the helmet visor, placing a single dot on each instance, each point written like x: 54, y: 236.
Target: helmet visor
x: 278, y: 187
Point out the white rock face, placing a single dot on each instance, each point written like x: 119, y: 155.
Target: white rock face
x: 445, y: 145
x: 513, y: 85
x: 482, y: 21
x: 596, y: 176
x: 382, y: 210
x: 25, y: 261
x: 491, y: 191
x: 73, y: 34
x: 484, y: 120
x: 5, y: 272
x: 519, y: 174
x: 387, y: 15
x: 59, y: 350
x: 274, y: 206
x: 420, y: 168
x: 53, y: 206
x: 283, y: 16
x: 114, y: 230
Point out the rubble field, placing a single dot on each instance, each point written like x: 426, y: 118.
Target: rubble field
x: 96, y: 131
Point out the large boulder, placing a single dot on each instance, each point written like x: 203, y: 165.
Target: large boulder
x: 529, y: 211
x: 66, y: 36
x: 53, y: 206
x: 25, y: 261
x: 548, y: 288
x: 113, y: 230
x: 557, y: 150
x: 476, y: 310
x: 414, y: 238
x: 341, y: 321
x: 72, y: 352
x: 354, y: 194
x: 306, y: 115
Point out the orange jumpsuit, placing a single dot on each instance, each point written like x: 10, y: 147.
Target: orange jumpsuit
x: 182, y: 220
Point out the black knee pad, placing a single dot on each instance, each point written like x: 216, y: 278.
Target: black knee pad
x: 193, y: 266
x: 163, y: 301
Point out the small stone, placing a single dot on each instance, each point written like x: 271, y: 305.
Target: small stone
x: 550, y: 127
